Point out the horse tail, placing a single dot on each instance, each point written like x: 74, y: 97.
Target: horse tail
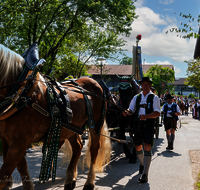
x: 67, y: 153
x: 104, y: 152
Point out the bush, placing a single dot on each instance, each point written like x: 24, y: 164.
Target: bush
x: 191, y: 95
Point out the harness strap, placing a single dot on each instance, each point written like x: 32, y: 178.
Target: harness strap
x: 51, y: 143
x: 37, y: 107
x: 13, y: 109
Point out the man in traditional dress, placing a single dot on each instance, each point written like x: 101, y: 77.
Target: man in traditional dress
x: 171, y: 112
x: 146, y: 107
x: 195, y: 109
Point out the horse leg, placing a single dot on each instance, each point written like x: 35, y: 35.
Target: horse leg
x: 14, y: 154
x: 71, y: 173
x: 5, y: 149
x: 26, y: 179
x: 94, y: 147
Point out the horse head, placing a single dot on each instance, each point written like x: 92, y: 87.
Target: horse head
x: 127, y: 89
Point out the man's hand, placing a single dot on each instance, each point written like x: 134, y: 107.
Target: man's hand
x: 127, y: 112
x: 143, y: 117
x: 177, y: 113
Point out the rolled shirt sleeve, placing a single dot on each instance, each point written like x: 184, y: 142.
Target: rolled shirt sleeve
x: 178, y: 109
x: 132, y: 105
x: 156, y: 104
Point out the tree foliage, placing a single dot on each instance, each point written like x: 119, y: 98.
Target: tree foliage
x: 193, y: 73
x: 160, y: 74
x: 64, y: 27
x: 126, y: 61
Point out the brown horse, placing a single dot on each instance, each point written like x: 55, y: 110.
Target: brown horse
x: 28, y: 125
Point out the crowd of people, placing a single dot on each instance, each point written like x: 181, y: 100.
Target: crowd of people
x: 184, y: 103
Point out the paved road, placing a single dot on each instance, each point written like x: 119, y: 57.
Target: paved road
x: 170, y: 170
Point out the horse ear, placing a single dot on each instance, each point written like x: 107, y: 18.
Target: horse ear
x: 130, y: 78
x: 120, y: 78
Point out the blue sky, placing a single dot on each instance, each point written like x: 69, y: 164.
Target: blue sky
x: 155, y: 18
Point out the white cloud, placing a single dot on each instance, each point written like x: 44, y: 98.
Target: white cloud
x: 159, y: 63
x: 177, y: 70
x: 170, y: 20
x: 155, y: 41
x: 166, y: 2
x: 139, y: 3
x: 150, y: 17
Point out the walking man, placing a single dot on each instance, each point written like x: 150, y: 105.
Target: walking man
x: 171, y: 112
x: 146, y: 107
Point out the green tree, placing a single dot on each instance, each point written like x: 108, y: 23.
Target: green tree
x: 126, y: 61
x: 193, y: 73
x: 67, y: 66
x: 58, y: 24
x: 158, y: 74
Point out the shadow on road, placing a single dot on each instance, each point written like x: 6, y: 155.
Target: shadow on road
x: 122, y: 175
x: 119, y: 174
x: 169, y: 154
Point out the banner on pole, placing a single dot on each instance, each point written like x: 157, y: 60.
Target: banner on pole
x: 140, y: 62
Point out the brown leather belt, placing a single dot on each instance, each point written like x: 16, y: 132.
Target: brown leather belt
x: 143, y: 105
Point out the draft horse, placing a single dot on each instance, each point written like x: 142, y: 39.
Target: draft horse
x: 127, y: 89
x: 26, y: 125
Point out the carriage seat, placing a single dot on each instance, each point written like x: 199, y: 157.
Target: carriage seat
x: 31, y: 56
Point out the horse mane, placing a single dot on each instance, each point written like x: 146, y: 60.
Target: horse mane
x: 11, y: 65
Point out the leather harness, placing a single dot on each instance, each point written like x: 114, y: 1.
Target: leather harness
x: 21, y: 97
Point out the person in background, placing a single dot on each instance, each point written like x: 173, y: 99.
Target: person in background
x: 186, y: 107
x: 194, y: 107
x: 167, y: 92
x: 198, y: 109
x: 153, y: 90
x: 157, y: 119
x: 171, y: 112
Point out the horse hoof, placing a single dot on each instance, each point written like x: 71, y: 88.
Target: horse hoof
x: 9, y: 184
x: 88, y: 187
x: 6, y: 188
x: 70, y: 186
